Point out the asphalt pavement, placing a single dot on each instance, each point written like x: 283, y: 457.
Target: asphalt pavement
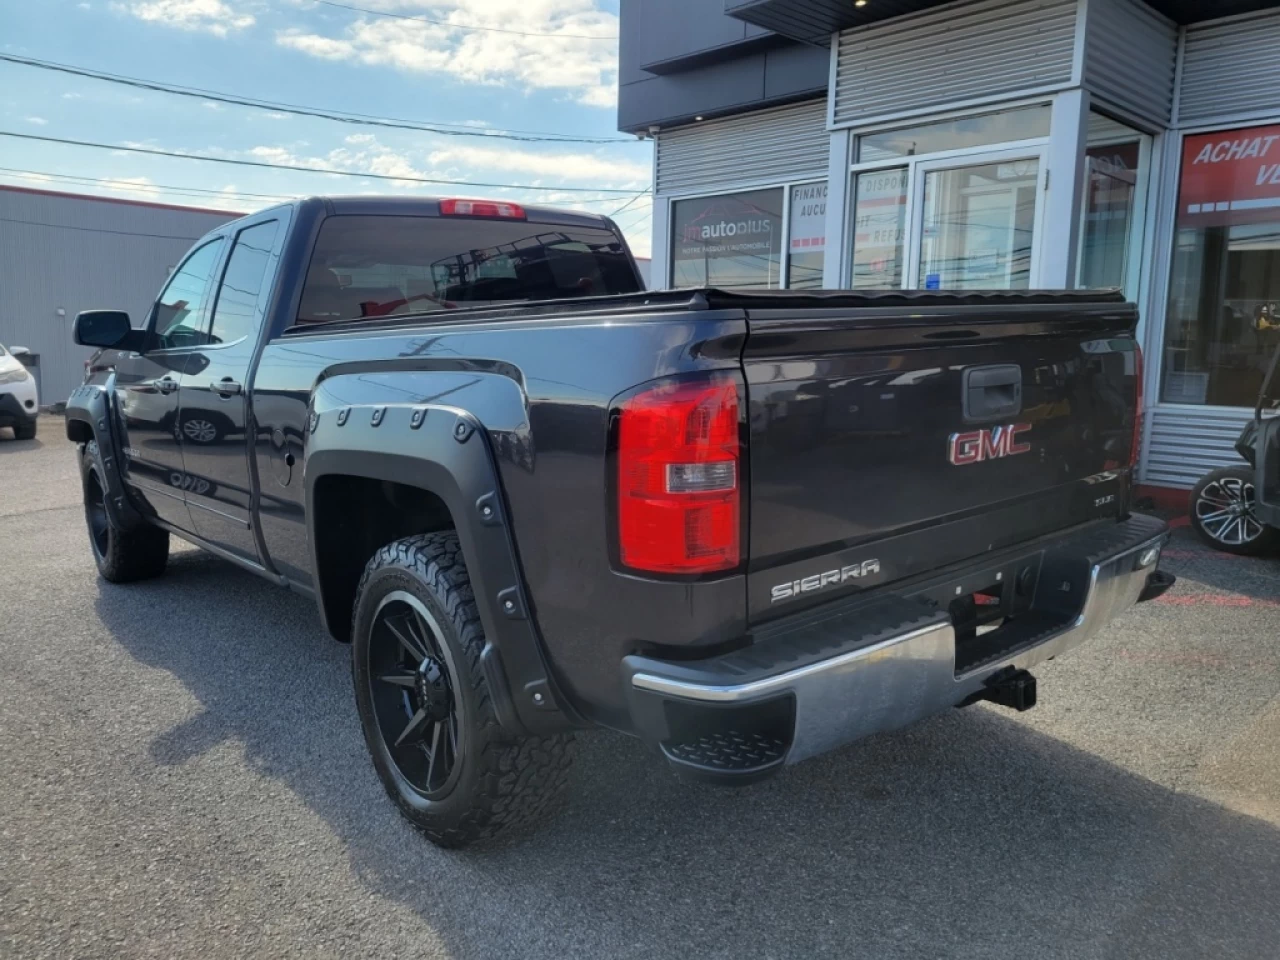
x: 182, y: 775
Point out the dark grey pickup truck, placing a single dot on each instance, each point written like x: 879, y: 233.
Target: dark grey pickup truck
x: 748, y: 527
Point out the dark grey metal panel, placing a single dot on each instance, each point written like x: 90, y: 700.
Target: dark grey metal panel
x: 775, y: 145
x: 792, y: 72
x: 1130, y: 54
x: 1231, y: 67
x: 964, y: 51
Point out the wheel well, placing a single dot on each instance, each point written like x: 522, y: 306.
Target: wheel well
x: 354, y: 518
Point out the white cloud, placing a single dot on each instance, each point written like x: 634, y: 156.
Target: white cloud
x: 363, y: 152
x: 210, y: 16
x: 574, y: 166
x: 85, y: 6
x: 274, y: 115
x: 38, y: 121
x: 215, y: 107
x: 71, y: 96
x: 557, y: 59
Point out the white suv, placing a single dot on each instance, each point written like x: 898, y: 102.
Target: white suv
x: 19, y: 405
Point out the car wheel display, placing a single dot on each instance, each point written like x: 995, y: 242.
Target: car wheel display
x: 198, y: 429
x: 122, y: 556
x: 1222, y: 513
x: 425, y: 705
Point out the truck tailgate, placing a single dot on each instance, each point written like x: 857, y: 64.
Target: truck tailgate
x: 889, y: 441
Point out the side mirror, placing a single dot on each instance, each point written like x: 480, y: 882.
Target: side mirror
x: 19, y: 352
x: 102, y: 328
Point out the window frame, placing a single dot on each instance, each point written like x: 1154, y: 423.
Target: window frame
x: 153, y: 343
x: 1037, y: 147
x: 269, y: 278
x: 786, y: 186
x: 1142, y: 202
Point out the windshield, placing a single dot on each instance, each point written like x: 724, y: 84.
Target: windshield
x: 378, y: 266
x: 3, y: 351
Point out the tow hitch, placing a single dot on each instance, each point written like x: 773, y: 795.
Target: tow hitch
x: 1011, y: 688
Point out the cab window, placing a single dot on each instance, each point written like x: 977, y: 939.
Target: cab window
x: 179, y: 313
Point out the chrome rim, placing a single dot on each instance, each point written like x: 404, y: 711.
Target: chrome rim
x: 201, y: 431
x: 411, y: 682
x: 95, y: 506
x: 1224, y: 511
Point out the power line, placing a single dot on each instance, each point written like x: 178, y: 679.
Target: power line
x: 642, y: 193
x: 40, y: 176
x: 460, y: 26
x: 325, y: 170
x: 122, y: 233
x: 357, y: 119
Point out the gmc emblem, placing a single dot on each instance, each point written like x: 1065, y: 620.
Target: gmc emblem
x: 990, y: 443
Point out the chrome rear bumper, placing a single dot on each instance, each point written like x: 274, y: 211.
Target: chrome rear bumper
x: 886, y: 674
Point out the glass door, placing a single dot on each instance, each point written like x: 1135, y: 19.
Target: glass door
x: 976, y: 222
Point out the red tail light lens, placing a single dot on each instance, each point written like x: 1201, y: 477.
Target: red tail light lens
x: 680, y: 478
x: 1138, y: 412
x: 482, y: 208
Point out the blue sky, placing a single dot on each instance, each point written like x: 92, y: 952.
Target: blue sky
x: 320, y: 55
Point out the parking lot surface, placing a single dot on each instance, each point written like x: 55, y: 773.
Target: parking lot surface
x: 182, y: 774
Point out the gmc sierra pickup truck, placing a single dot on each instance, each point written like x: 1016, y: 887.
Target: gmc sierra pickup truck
x: 747, y: 527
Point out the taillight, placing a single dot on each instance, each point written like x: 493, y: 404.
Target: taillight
x: 679, y: 477
x: 1138, y: 400
x: 482, y: 208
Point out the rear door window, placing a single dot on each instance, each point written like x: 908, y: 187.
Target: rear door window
x: 235, y: 315
x: 367, y: 267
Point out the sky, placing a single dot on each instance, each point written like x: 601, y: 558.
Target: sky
x: 541, y: 67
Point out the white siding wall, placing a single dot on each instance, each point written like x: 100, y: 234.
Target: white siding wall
x: 963, y: 51
x: 1129, y: 59
x: 76, y: 254
x: 766, y: 146
x: 1186, y: 444
x: 1231, y: 67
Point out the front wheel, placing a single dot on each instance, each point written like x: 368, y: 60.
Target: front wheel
x: 425, y: 706
x: 122, y: 556
x: 1223, y: 514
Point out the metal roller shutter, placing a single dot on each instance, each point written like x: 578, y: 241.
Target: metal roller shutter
x: 1130, y: 55
x: 959, y: 52
x: 767, y: 146
x: 1230, y: 67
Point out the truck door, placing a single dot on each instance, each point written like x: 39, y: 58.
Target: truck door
x: 213, y: 403
x: 147, y: 387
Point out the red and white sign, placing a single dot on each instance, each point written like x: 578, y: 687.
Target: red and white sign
x: 1232, y: 176
x: 808, y: 217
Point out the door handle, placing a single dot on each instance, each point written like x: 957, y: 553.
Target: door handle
x: 225, y: 387
x: 166, y: 385
x: 992, y: 392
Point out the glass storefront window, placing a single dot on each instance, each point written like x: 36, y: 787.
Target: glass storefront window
x: 734, y: 240
x: 1025, y: 123
x: 978, y: 226
x: 807, y: 236
x: 1109, y: 235
x: 879, y: 221
x: 1224, y: 304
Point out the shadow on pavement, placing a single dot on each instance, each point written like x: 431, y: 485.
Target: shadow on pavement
x: 969, y: 835
x: 1201, y: 566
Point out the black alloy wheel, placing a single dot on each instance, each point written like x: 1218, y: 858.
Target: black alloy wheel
x: 95, y: 509
x: 411, y: 679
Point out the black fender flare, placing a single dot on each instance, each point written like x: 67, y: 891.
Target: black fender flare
x: 90, y: 416
x: 445, y: 451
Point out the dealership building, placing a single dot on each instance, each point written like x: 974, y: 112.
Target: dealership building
x: 985, y: 144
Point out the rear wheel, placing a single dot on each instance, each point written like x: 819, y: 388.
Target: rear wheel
x: 1223, y: 514
x: 425, y: 706
x: 122, y: 556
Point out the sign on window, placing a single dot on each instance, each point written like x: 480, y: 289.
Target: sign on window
x: 1230, y: 177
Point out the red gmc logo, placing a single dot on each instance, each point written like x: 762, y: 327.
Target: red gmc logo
x: 990, y: 443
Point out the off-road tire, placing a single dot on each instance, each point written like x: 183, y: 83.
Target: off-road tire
x: 505, y: 781
x: 1228, y: 485
x: 25, y: 431
x: 122, y: 556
